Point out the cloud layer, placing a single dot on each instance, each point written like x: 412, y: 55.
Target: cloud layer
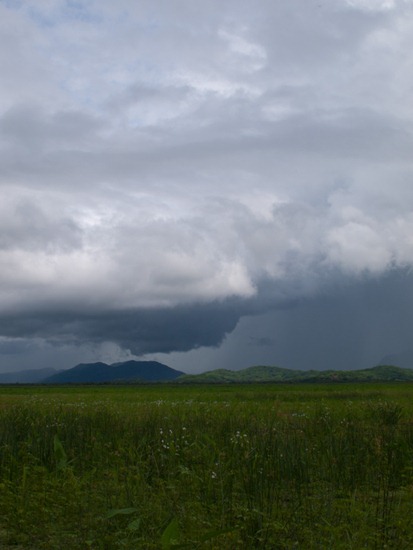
x: 169, y: 167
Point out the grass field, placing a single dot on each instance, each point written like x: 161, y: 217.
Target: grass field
x: 228, y: 467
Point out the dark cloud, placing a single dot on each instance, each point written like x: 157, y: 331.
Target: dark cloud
x: 141, y: 331
x: 353, y: 324
x: 260, y: 341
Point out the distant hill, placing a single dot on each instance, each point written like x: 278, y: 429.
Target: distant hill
x: 386, y: 373
x: 128, y: 371
x: 152, y: 371
x: 26, y: 376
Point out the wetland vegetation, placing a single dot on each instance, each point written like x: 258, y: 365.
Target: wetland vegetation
x: 212, y: 466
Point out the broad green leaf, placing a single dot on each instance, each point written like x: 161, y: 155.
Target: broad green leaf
x: 171, y: 535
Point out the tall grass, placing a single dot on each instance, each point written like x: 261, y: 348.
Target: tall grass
x: 240, y: 467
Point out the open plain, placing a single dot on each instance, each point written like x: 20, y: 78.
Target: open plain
x: 207, y: 466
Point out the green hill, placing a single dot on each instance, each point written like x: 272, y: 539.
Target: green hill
x: 384, y: 373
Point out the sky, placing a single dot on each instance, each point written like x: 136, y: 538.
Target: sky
x: 209, y: 184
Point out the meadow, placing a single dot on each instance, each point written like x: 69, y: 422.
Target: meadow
x: 203, y: 466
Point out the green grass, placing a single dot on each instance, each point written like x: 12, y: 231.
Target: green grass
x: 236, y: 466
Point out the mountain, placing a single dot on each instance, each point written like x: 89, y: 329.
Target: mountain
x: 128, y: 371
x: 384, y: 373
x: 26, y: 376
x: 152, y: 371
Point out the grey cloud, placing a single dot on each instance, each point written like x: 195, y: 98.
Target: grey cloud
x: 141, y: 93
x: 26, y: 226
x: 30, y: 134
x: 15, y: 346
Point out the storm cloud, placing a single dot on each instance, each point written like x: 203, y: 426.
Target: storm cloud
x: 171, y: 172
